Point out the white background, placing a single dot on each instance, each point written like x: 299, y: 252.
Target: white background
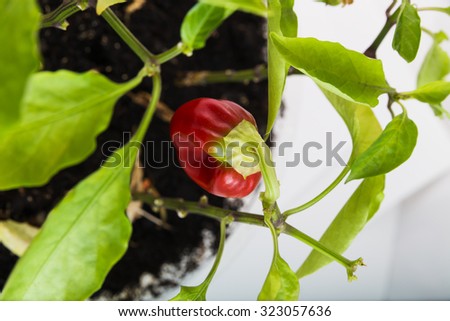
x: 406, y: 246
x: 239, y: 311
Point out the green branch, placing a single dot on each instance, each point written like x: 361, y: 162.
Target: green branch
x: 390, y: 22
x: 217, y: 213
x: 198, y: 293
x: 244, y: 76
x: 223, y: 225
x: 319, y: 197
x: 170, y: 53
x: 272, y: 192
x: 147, y: 57
x: 205, y: 77
x: 57, y: 18
x: 201, y: 207
x: 350, y: 266
x: 146, y: 119
x: 129, y: 38
x: 436, y: 9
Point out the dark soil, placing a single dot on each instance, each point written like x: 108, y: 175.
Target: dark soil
x: 89, y: 43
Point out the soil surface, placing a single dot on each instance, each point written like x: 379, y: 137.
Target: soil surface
x: 157, y: 257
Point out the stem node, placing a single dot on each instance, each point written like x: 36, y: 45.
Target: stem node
x: 351, y: 269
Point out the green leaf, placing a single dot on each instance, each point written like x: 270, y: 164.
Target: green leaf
x: 282, y: 21
x: 394, y: 146
x: 81, y: 239
x: 361, y: 122
x: 281, y: 283
x: 19, y: 26
x: 351, y: 219
x: 433, y: 93
x: 199, y: 23
x: 191, y: 293
x: 62, y: 113
x: 288, y: 19
x: 439, y: 110
x: 102, y: 5
x: 436, y: 64
x: 256, y: 7
x: 364, y: 129
x: 408, y: 32
x: 344, y: 72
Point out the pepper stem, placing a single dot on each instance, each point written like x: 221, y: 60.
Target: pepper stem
x: 267, y: 166
x: 245, y: 150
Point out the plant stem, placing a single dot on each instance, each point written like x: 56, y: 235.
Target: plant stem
x: 391, y: 100
x: 223, y: 225
x: 128, y: 37
x: 204, y: 77
x: 272, y: 192
x: 405, y: 111
x: 389, y: 9
x: 428, y: 32
x: 182, y: 206
x: 170, y: 54
x: 57, y: 18
x: 245, y: 76
x: 319, y: 197
x: 200, y: 290
x: 390, y: 22
x: 350, y: 266
x: 146, y: 119
x: 438, y: 9
x: 274, y: 232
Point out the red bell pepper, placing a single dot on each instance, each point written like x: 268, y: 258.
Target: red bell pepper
x: 201, y: 124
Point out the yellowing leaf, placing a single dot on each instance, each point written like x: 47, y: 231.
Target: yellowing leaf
x: 364, y: 129
x: 436, y: 64
x: 102, y: 5
x: 16, y: 236
x: 351, y: 219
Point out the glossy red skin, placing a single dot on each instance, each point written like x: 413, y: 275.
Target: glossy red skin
x: 205, y: 120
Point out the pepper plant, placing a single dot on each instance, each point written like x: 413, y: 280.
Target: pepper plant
x: 46, y: 125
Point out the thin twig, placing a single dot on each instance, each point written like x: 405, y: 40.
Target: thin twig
x: 163, y: 111
x: 245, y: 76
x: 203, y: 208
x: 390, y: 22
x: 57, y: 18
x: 128, y: 37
